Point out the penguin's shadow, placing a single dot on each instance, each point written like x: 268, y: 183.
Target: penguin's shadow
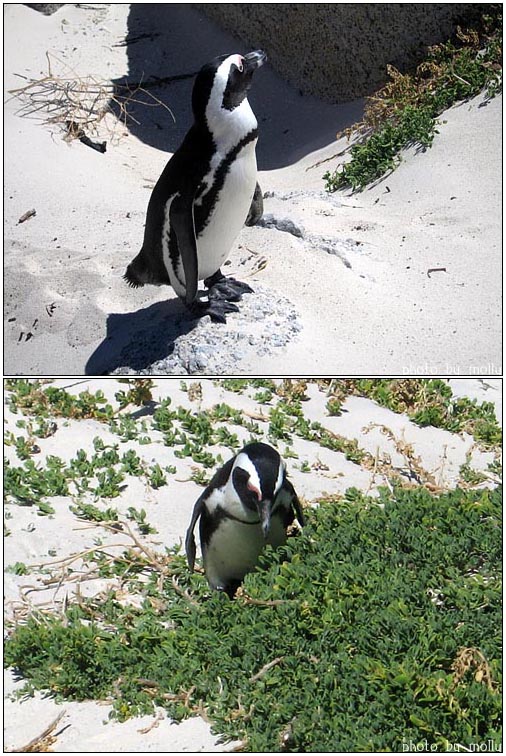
x: 138, y: 339
x: 167, y: 43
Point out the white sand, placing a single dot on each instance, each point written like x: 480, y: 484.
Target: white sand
x: 383, y: 314
x: 35, y: 539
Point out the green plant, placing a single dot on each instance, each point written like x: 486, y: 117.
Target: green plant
x: 30, y: 484
x: 405, y: 111
x: 380, y: 153
x: 263, y: 397
x: 199, y: 476
x: 156, y: 476
x: 109, y: 484
x: 139, y: 517
x: 19, y: 568
x: 471, y: 476
x: 163, y: 417
x: 131, y: 463
x: 32, y: 397
x: 25, y: 447
x: 378, y: 625
x: 224, y: 437
x: 495, y: 468
x: 334, y: 407
x: 139, y: 392
x: 238, y: 385
x: 126, y: 427
x: 94, y: 514
x: 429, y: 401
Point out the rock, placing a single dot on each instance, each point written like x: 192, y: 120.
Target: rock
x: 287, y: 225
x: 265, y: 322
x: 46, y: 8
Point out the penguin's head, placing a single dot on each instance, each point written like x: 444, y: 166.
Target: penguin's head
x: 222, y: 85
x: 257, y: 476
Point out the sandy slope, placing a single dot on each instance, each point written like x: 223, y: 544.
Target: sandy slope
x: 369, y: 307
x: 38, y: 540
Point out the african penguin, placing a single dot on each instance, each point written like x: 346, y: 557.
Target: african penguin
x: 206, y: 193
x: 248, y: 503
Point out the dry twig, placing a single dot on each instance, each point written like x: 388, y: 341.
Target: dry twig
x: 76, y: 102
x: 266, y: 668
x: 43, y: 742
x: 414, y: 470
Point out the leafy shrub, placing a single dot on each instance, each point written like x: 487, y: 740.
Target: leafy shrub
x: 379, y: 623
x: 404, y: 112
x: 428, y: 401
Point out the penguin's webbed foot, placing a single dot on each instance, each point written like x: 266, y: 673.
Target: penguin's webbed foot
x: 217, y: 309
x: 227, y: 289
x: 230, y: 589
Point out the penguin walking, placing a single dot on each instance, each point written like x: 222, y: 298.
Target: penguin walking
x: 206, y: 193
x: 248, y: 503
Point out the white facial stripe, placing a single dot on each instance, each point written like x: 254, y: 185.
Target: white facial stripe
x: 279, y: 480
x: 227, y: 127
x: 218, y: 89
x: 245, y: 463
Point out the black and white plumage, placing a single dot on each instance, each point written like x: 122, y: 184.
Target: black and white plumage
x: 206, y: 193
x: 249, y: 503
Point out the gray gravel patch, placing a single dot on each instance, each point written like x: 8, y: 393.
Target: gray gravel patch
x: 268, y: 220
x: 264, y: 324
x: 298, y: 196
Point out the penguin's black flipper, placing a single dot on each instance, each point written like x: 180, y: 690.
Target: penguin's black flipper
x: 257, y: 207
x: 218, y: 480
x: 189, y: 543
x: 148, y: 266
x: 183, y: 223
x: 295, y: 502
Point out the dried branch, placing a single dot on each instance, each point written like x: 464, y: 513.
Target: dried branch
x: 43, y: 741
x: 266, y: 668
x: 76, y: 103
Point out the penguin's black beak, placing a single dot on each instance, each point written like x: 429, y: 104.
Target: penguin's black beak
x: 264, y: 510
x: 254, y: 60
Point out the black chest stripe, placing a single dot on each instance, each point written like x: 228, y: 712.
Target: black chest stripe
x: 228, y: 516
x: 204, y: 211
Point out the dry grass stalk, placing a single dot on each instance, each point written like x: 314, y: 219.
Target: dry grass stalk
x: 183, y: 593
x: 43, y: 742
x: 155, y: 723
x: 247, y: 599
x: 261, y: 672
x: 415, y: 472
x: 76, y: 103
x: 60, y: 576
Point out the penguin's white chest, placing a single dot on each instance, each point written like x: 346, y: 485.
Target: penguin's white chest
x: 234, y: 550
x: 229, y: 212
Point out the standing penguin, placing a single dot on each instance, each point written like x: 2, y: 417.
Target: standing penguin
x: 249, y: 503
x: 206, y: 193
